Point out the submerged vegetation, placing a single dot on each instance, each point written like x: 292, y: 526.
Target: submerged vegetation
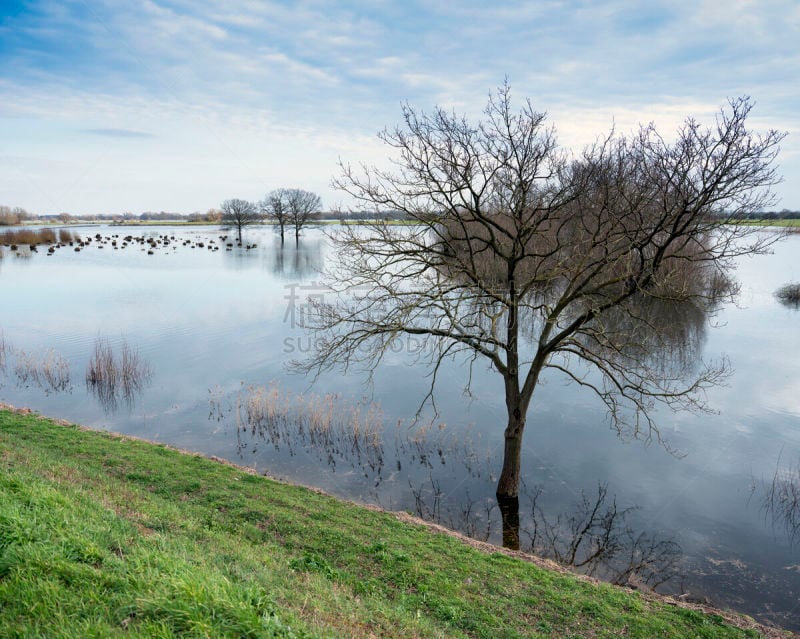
x: 324, y: 422
x: 47, y: 370
x: 781, y: 500
x: 789, y: 294
x: 106, y: 536
x: 338, y: 431
x: 113, y: 378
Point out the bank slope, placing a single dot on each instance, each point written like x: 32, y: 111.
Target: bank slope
x: 104, y: 536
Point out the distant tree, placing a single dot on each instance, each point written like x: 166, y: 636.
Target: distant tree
x: 239, y: 214
x: 291, y: 207
x: 533, y: 260
x: 9, y: 216
x: 21, y: 214
x: 303, y: 207
x: 275, y: 207
x: 212, y: 215
x: 6, y: 217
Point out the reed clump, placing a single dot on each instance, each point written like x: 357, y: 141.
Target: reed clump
x: 29, y: 237
x: 338, y: 430
x: 50, y: 371
x: 114, y: 377
x: 324, y: 422
x: 782, y: 500
x: 65, y: 236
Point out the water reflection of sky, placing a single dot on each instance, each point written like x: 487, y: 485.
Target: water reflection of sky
x: 210, y: 322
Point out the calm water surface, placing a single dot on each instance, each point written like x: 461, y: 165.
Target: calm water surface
x: 218, y: 327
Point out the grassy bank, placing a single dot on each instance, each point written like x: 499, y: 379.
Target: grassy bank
x: 790, y: 223
x: 105, y: 536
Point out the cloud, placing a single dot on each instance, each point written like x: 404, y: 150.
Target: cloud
x: 119, y: 133
x: 287, y: 72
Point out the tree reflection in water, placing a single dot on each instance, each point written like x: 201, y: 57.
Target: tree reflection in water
x: 597, y: 538
x: 594, y: 536
x: 300, y: 261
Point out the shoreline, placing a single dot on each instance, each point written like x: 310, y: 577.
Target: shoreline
x: 738, y: 620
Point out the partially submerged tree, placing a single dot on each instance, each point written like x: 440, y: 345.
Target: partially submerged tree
x: 291, y: 207
x: 238, y: 214
x: 275, y: 208
x: 303, y: 206
x: 532, y: 259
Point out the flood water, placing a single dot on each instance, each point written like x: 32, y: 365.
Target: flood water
x: 715, y: 516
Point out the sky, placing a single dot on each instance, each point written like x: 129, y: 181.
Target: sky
x: 114, y: 106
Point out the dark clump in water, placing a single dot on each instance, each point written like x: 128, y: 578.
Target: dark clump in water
x: 789, y: 295
x: 115, y: 379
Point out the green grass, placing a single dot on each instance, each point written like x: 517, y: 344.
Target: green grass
x: 793, y: 223
x: 103, y: 536
x: 159, y: 223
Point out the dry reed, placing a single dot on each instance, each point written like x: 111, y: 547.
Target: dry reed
x: 3, y: 349
x: 30, y: 237
x: 324, y: 423
x: 49, y: 371
x: 65, y: 236
x: 782, y: 500
x: 112, y: 378
x: 338, y: 430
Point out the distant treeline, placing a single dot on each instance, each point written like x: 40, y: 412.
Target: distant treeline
x: 785, y: 214
x: 364, y: 215
x: 10, y: 216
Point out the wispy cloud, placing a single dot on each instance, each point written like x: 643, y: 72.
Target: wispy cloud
x: 119, y: 133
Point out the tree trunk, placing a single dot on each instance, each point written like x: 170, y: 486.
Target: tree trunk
x: 509, y: 509
x: 240, y: 234
x: 508, y: 485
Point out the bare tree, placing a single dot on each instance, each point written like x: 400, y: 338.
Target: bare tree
x: 275, y: 208
x: 10, y: 217
x: 239, y: 214
x: 302, y: 207
x: 531, y: 259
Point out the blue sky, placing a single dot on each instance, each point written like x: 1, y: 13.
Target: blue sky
x: 111, y: 106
